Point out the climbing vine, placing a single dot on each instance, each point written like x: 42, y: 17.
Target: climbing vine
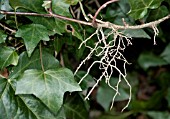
x: 36, y: 39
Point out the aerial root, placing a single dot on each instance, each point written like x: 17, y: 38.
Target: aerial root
x: 110, y: 52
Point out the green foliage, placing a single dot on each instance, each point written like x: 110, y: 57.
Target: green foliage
x: 8, y: 56
x: 140, y: 8
x: 32, y: 34
x: 38, y: 60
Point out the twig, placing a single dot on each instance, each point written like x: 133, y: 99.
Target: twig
x: 9, y: 29
x: 99, y: 24
x: 103, y: 6
x: 46, y: 15
x: 83, y: 12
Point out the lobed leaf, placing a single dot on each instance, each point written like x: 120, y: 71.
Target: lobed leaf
x: 33, y: 62
x: 8, y: 56
x: 49, y: 86
x: 32, y: 5
x: 20, y: 106
x: 140, y: 8
x: 32, y: 35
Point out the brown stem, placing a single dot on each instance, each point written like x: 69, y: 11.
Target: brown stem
x: 6, y: 28
x: 47, y: 15
x: 101, y: 7
x: 99, y: 22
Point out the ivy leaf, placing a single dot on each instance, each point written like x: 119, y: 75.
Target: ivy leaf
x: 140, y: 8
x: 4, y: 5
x: 156, y: 14
x: 75, y: 107
x: 139, y: 33
x: 32, y: 34
x: 2, y: 36
x: 159, y: 115
x: 49, y: 23
x: 168, y: 97
x: 32, y: 5
x: 147, y: 60
x: 20, y: 106
x: 62, y: 8
x: 72, y: 2
x: 105, y: 99
x: 33, y: 62
x: 166, y: 53
x: 49, y: 86
x: 8, y: 56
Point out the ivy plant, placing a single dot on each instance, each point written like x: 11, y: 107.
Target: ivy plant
x: 53, y: 56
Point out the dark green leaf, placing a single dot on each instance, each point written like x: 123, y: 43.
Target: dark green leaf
x: 33, y: 5
x: 105, y: 94
x: 166, y: 53
x: 49, y: 86
x: 156, y: 14
x: 32, y: 34
x: 72, y: 2
x: 49, y: 23
x: 168, y: 97
x: 87, y: 82
x: 62, y: 8
x: 8, y: 56
x: 75, y: 107
x: 147, y: 60
x: 33, y: 62
x: 20, y: 106
x: 2, y: 36
x: 58, y: 43
x: 159, y: 115
x: 140, y: 8
x: 139, y: 33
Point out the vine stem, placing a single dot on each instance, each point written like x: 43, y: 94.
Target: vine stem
x: 100, y: 8
x: 9, y: 29
x: 99, y: 22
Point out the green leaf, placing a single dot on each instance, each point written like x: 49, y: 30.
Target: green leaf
x: 4, y: 5
x: 104, y: 99
x: 62, y: 8
x: 159, y: 115
x: 32, y: 5
x: 75, y: 107
x: 139, y: 33
x: 166, y: 53
x: 3, y: 36
x: 33, y: 62
x: 147, y: 60
x: 156, y: 14
x: 168, y: 97
x: 49, y: 86
x: 87, y: 82
x: 8, y: 56
x: 72, y: 2
x: 140, y: 8
x: 32, y: 34
x: 49, y: 23
x: 20, y: 106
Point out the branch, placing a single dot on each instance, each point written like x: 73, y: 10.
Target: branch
x: 99, y: 22
x: 103, y: 6
x: 6, y: 28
